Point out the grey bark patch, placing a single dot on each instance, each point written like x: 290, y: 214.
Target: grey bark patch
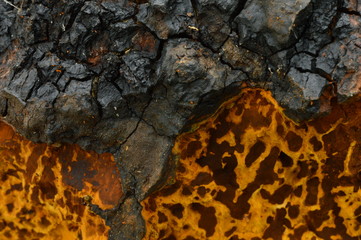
x: 275, y: 23
x: 23, y: 83
x: 148, y: 153
x: 311, y: 84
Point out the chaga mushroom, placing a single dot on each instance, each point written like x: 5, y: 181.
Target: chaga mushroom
x: 46, y: 191
x: 249, y: 172
x: 126, y: 77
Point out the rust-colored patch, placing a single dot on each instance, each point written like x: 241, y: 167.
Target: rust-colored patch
x: 145, y: 41
x: 249, y: 172
x: 45, y: 190
x: 8, y: 59
x: 98, y: 49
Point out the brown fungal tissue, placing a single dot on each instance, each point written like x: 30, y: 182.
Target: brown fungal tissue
x: 45, y: 191
x: 249, y: 172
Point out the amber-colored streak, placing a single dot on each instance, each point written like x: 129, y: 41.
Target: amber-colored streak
x: 45, y: 190
x: 249, y: 172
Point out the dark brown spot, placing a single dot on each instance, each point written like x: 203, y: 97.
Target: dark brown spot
x: 201, y: 191
x: 152, y: 205
x: 202, y: 178
x: 2, y: 225
x: 162, y: 217
x: 32, y: 163
x: 298, y: 191
x: 316, y: 218
x: 281, y: 194
x: 45, y: 222
x: 276, y: 225
x: 279, y: 119
x: 169, y: 190
x: 8, y: 234
x: 10, y: 207
x: 280, y: 130
x: 171, y: 237
x: 294, y: 141
x: 90, y: 222
x: 313, y: 166
x: 317, y: 145
x: 253, y: 118
x: 208, y: 220
x: 239, y: 148
x: 175, y: 209
x: 101, y: 228
x: 46, y: 183
x: 225, y: 175
x: 181, y: 168
x: 265, y: 173
x: 293, y: 211
x: 187, y: 190
x: 192, y: 148
x: 358, y: 175
x: 286, y: 160
x: 239, y: 109
x: 265, y: 194
x: 303, y: 169
x: 11, y: 225
x: 357, y: 211
x: 341, y: 193
x: 312, y: 191
x: 10, y: 172
x: 190, y: 238
x: 256, y: 150
x: 298, y: 232
x: 302, y: 126
x: 35, y: 195
x: 17, y: 187
x: 229, y: 232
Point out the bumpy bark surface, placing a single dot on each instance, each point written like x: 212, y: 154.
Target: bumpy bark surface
x: 127, y: 76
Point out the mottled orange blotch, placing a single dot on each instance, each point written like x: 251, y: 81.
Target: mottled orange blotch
x: 249, y: 172
x: 45, y: 190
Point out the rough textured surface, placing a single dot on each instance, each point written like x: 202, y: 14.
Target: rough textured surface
x: 271, y: 26
x: 249, y: 172
x: 99, y: 73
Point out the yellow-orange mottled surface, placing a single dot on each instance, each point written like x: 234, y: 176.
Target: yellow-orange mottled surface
x: 249, y: 172
x: 45, y: 190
